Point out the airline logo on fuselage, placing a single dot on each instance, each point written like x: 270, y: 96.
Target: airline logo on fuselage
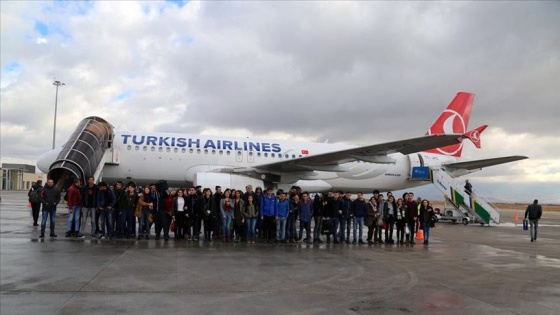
x: 197, y: 143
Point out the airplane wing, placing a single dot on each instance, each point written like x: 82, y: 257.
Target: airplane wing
x: 478, y: 164
x: 377, y: 153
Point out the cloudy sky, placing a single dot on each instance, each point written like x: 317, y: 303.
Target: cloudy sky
x: 349, y: 72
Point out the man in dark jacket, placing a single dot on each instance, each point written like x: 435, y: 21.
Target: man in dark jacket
x: 50, y: 197
x: 346, y: 218
x: 534, y: 213
x: 106, y: 202
x: 359, y: 211
x: 35, y: 201
x: 411, y: 217
x: 332, y: 212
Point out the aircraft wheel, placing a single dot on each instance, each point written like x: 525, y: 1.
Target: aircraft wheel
x: 465, y: 221
x: 454, y: 221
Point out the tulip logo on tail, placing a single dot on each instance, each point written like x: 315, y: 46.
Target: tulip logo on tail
x: 453, y: 120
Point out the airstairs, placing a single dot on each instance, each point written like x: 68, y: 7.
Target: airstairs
x: 454, y: 192
x: 85, y: 153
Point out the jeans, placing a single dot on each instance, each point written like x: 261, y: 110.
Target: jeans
x: 251, y: 223
x: 359, y: 226
x: 307, y: 227
x: 280, y: 229
x: 73, y: 215
x: 126, y: 222
x: 317, y: 229
x: 226, y: 224
x: 345, y: 226
x: 534, y: 224
x: 291, y: 226
x: 106, y: 221
x: 335, y: 228
x: 389, y: 230
x: 143, y: 222
x: 49, y: 211
x: 411, y: 225
x: 85, y: 213
x: 426, y: 226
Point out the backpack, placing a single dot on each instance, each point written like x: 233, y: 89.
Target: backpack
x: 34, y: 196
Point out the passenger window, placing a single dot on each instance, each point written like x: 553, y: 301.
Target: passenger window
x: 213, y: 152
x: 145, y: 148
x: 129, y: 147
x: 272, y: 155
x: 160, y: 149
x: 250, y: 153
x: 221, y: 152
x: 153, y: 149
x: 287, y: 156
x: 266, y: 155
x: 168, y: 150
x: 238, y: 153
x: 293, y: 156
x: 137, y: 148
x: 176, y: 150
x: 205, y: 151
x: 198, y: 151
x: 191, y: 151
x: 228, y: 153
x: 183, y: 150
x: 258, y: 154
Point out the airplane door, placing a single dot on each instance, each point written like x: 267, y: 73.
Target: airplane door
x: 239, y: 156
x: 250, y: 157
x: 415, y: 161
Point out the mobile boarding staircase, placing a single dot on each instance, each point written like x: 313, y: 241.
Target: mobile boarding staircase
x: 454, y: 193
x: 85, y: 153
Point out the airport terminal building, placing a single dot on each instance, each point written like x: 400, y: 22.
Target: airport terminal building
x: 19, y: 176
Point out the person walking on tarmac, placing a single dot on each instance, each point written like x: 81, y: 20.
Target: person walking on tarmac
x: 35, y: 201
x: 533, y: 213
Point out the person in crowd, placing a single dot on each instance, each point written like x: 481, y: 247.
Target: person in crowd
x: 119, y: 190
x: 370, y: 219
x: 218, y: 224
x: 146, y: 205
x: 248, y: 192
x: 251, y: 213
x: 292, y: 217
x: 50, y: 197
x: 382, y: 213
x: 318, y: 209
x: 35, y: 201
x: 468, y: 187
x: 390, y: 211
x: 331, y: 214
x: 89, y: 206
x: 533, y: 214
x: 180, y: 215
x: 359, y: 212
x: 193, y: 219
x: 226, y: 209
x: 105, y: 202
x: 426, y: 216
x: 74, y: 197
x: 237, y: 217
x: 282, y: 212
x: 163, y: 214
x: 400, y: 220
x: 346, y: 217
x: 268, y: 211
x: 127, y: 204
x: 411, y: 217
x: 257, y: 199
x: 305, y: 206
x: 207, y: 212
x: 376, y: 196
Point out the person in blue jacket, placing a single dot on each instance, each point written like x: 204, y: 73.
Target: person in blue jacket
x: 282, y: 212
x: 305, y: 214
x: 268, y: 215
x: 105, y: 202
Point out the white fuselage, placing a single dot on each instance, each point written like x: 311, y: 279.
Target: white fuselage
x: 147, y: 157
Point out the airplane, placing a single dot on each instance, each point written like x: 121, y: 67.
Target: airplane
x: 96, y: 149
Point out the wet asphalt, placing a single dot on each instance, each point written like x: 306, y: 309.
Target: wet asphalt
x: 469, y: 269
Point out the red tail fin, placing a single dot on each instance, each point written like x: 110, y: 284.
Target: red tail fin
x: 454, y: 119
x: 474, y: 135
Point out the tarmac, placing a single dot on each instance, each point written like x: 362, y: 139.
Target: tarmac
x: 469, y: 269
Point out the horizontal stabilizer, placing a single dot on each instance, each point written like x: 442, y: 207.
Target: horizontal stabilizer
x: 478, y: 164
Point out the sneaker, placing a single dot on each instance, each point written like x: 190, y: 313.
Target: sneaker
x: 80, y: 235
x: 43, y: 236
x: 361, y: 242
x: 35, y: 224
x: 53, y: 235
x: 68, y: 234
x: 354, y: 242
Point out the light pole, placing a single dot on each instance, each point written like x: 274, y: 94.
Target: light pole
x: 57, y: 83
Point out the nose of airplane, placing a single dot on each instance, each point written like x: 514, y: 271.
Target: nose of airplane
x: 47, y: 159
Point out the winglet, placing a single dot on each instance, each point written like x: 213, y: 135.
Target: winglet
x: 474, y: 135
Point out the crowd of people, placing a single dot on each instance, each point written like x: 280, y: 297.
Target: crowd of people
x: 196, y: 214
